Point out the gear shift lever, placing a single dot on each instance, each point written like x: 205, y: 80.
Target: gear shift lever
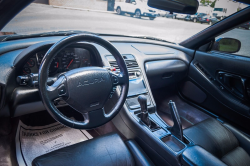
x: 176, y: 130
x: 144, y: 110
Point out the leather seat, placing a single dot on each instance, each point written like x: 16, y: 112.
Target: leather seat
x: 107, y: 150
x: 220, y: 140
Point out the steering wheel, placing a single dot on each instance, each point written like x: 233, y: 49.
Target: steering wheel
x: 84, y: 89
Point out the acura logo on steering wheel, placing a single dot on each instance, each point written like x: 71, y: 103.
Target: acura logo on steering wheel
x: 90, y: 82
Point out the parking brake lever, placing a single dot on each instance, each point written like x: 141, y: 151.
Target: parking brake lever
x: 176, y: 130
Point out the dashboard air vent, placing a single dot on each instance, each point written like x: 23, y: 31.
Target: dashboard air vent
x: 129, y: 60
x: 131, y: 63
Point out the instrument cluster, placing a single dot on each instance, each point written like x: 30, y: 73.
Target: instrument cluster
x: 65, y: 60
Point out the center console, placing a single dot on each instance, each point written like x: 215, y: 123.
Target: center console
x: 141, y: 107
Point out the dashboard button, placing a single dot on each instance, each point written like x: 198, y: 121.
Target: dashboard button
x: 115, y: 80
x: 61, y: 90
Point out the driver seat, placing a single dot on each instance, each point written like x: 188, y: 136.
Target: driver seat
x: 106, y: 150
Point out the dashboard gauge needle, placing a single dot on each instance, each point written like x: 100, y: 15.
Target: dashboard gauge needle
x: 29, y: 64
x: 57, y: 65
x: 37, y: 59
x: 70, y: 63
x: 25, y: 72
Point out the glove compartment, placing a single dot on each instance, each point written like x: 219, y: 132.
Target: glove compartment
x: 165, y: 72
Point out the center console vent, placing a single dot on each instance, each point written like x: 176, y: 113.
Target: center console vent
x: 129, y: 60
x: 131, y: 63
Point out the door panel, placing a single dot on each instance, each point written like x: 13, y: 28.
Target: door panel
x: 225, y: 80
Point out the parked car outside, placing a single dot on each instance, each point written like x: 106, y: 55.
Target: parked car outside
x: 188, y: 18
x: 208, y: 19
x: 171, y: 15
x: 195, y: 18
x: 245, y: 26
x: 161, y: 13
x: 135, y: 8
x: 181, y: 16
x: 200, y: 15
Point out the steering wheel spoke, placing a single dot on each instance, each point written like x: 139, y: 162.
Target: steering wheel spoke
x: 58, y: 89
x: 91, y: 117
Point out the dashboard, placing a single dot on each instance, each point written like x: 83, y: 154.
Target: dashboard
x: 67, y: 59
x: 144, y: 59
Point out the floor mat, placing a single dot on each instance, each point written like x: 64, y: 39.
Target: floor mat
x: 35, y: 141
x: 189, y: 115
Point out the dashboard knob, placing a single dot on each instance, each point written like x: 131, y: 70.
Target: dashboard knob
x: 138, y: 74
x: 22, y: 80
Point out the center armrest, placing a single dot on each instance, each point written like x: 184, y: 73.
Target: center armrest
x: 196, y: 155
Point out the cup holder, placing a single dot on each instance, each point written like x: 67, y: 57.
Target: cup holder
x: 173, y: 143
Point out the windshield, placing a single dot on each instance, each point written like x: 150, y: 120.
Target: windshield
x: 122, y: 17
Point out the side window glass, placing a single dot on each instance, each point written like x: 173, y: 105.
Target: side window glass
x: 235, y: 41
x: 127, y: 1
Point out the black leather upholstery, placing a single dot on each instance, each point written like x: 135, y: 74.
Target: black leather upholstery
x: 140, y: 157
x: 213, y: 137
x: 219, y: 141
x: 198, y: 156
x: 237, y: 157
x: 243, y: 140
x: 107, y: 150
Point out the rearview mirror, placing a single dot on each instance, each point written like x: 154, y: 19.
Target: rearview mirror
x: 228, y: 45
x: 177, y: 6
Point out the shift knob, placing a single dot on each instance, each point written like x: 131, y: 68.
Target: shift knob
x: 144, y: 110
x: 143, y: 103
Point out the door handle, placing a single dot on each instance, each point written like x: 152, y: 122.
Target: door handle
x: 236, y: 84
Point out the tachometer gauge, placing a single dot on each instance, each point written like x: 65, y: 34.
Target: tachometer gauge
x: 26, y: 69
x: 70, y: 61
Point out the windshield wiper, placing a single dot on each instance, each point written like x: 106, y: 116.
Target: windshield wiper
x: 53, y: 33
x: 153, y: 38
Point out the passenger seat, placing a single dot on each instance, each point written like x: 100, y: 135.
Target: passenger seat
x: 216, y: 141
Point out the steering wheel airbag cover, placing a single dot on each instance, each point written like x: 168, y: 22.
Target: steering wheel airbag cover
x: 91, y: 85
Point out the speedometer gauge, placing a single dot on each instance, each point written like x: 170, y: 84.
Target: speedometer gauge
x: 70, y: 60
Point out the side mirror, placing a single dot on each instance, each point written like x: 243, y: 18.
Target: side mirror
x: 228, y: 45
